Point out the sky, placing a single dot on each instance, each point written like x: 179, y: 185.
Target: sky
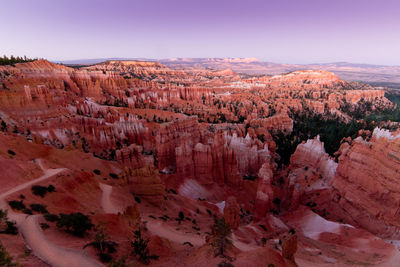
x: 282, y: 31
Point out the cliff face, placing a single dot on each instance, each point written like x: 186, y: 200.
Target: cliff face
x: 367, y: 183
x: 279, y: 122
x: 265, y: 193
x: 362, y: 189
x: 231, y: 212
x: 145, y: 183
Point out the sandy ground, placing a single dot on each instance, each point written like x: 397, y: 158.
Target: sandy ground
x: 327, y: 243
x: 166, y: 231
x: 33, y: 234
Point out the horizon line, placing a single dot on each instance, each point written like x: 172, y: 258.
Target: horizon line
x: 178, y: 58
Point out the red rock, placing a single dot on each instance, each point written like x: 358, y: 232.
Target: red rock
x: 146, y: 183
x: 367, y: 183
x: 265, y: 193
x: 231, y: 212
x: 289, y: 246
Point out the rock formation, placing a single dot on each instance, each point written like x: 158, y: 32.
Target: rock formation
x: 145, y: 183
x: 265, y: 192
x: 367, y: 183
x: 231, y: 212
x: 289, y: 246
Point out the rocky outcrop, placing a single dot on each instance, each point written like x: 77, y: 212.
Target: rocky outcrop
x: 132, y: 216
x: 225, y: 160
x: 289, y: 246
x: 279, y: 122
x: 355, y: 96
x: 311, y: 169
x: 231, y: 212
x: 203, y: 163
x: 134, y: 156
x: 367, y: 183
x: 304, y: 78
x: 265, y: 193
x: 169, y: 136
x: 146, y: 183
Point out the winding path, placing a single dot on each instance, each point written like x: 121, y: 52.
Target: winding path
x: 106, y: 203
x: 33, y: 234
x: 162, y: 230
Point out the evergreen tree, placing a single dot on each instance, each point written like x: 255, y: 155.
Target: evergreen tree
x: 220, y: 237
x: 140, y: 248
x: 5, y: 259
x: 102, y: 244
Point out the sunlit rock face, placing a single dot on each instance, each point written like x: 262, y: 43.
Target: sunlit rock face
x: 311, y: 170
x: 367, y: 183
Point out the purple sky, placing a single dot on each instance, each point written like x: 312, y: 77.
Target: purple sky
x: 285, y: 31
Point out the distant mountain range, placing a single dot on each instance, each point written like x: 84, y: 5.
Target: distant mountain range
x: 376, y: 74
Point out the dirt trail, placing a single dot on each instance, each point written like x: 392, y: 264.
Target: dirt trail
x: 33, y: 234
x: 106, y: 203
x: 167, y: 232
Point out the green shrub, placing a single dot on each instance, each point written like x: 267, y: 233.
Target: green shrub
x: 51, y: 217
x: 103, y: 246
x: 44, y: 226
x: 121, y: 262
x: 140, y: 248
x: 113, y: 175
x: 75, y: 223
x: 27, y: 211
x: 51, y: 188
x: 39, y: 190
x: 11, y: 228
x: 39, y: 208
x: 137, y: 199
x: 17, y: 205
x: 5, y: 259
x: 225, y: 264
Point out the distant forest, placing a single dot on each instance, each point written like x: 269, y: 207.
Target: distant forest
x: 386, y: 84
x: 13, y: 60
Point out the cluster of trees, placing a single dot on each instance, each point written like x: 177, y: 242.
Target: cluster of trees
x: 74, y: 223
x: 387, y: 114
x: 101, y: 243
x: 13, y: 60
x: 116, y: 103
x: 220, y: 237
x: 5, y: 259
x: 140, y: 248
x: 41, y: 191
x: 6, y: 226
x: 78, y: 224
x: 332, y: 130
x: 306, y: 126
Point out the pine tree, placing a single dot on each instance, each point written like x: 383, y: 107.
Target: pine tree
x: 220, y: 237
x: 140, y: 248
x: 102, y: 244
